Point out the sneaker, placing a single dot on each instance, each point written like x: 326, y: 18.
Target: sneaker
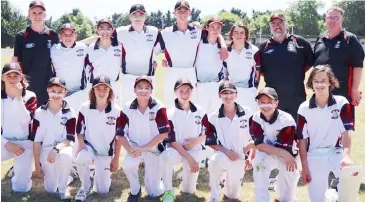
x: 81, y: 195
x: 64, y: 197
x: 169, y: 196
x: 213, y: 200
x: 10, y: 172
x: 272, y: 185
x: 134, y: 198
x: 225, y: 197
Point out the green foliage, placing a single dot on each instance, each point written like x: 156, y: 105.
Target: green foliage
x: 12, y: 21
x: 228, y: 20
x: 354, y: 19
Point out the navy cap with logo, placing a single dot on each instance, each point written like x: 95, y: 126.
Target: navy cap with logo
x: 214, y: 19
x: 11, y: 67
x: 181, y: 4
x: 34, y: 4
x: 56, y: 81
x: 68, y: 26
x: 105, y: 20
x: 102, y: 80
x: 143, y: 78
x: 279, y: 16
x: 227, y: 86
x: 270, y: 92
x: 136, y: 8
x: 183, y: 81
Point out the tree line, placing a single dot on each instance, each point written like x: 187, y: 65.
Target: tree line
x: 302, y: 16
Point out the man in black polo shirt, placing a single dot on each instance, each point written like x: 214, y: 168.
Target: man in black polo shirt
x: 343, y: 52
x: 32, y: 50
x: 283, y: 60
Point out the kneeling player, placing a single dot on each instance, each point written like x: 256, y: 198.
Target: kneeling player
x: 99, y: 125
x: 324, y: 125
x: 273, y: 132
x: 147, y: 126
x: 228, y: 134
x: 54, y: 128
x: 187, y: 133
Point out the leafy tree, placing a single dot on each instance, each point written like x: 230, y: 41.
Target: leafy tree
x: 195, y: 15
x: 239, y: 12
x: 228, y: 19
x: 12, y: 21
x: 354, y: 19
x: 168, y: 19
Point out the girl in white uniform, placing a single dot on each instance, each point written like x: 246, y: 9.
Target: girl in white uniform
x: 18, y: 106
x: 98, y: 128
x: 54, y: 128
x: 324, y: 125
x: 240, y: 66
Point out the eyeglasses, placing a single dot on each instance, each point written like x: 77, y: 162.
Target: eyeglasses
x: 282, y: 23
x: 332, y: 18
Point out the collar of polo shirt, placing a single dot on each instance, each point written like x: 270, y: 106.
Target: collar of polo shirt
x: 312, y: 101
x: 4, y: 95
x: 63, y: 45
x: 151, y: 103
x: 131, y: 29
x: 107, y: 109
x: 288, y: 36
x: 65, y: 107
x: 97, y: 43
x: 45, y: 31
x: 175, y: 28
x: 239, y: 111
x: 273, y: 119
x: 192, y: 106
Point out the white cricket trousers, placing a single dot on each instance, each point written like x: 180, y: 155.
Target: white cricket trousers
x: 246, y: 97
x: 23, y: 166
x: 320, y: 163
x: 56, y: 174
x: 170, y: 158
x: 263, y: 164
x: 102, y: 177
x: 152, y: 173
x: 208, y: 97
x: 235, y: 172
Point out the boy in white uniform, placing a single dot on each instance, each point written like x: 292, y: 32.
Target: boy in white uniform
x: 99, y: 127
x: 187, y: 133
x: 274, y: 135
x: 228, y: 134
x: 54, y: 128
x: 17, y: 109
x: 324, y: 125
x: 146, y: 126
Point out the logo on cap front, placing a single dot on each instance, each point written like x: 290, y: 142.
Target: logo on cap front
x: 102, y: 79
x: 226, y: 84
x: 56, y: 80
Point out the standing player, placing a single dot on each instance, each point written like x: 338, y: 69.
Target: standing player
x: 68, y: 59
x: 146, y: 127
x: 324, y: 125
x: 32, y: 50
x: 209, y: 67
x: 273, y: 132
x: 54, y: 129
x: 104, y: 56
x: 18, y: 106
x: 240, y: 66
x: 228, y: 134
x: 341, y: 50
x: 286, y: 56
x: 187, y: 133
x: 180, y: 45
x: 99, y: 127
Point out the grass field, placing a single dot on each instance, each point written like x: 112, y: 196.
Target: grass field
x: 120, y: 187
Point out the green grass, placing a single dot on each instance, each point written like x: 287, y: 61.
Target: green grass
x: 120, y: 187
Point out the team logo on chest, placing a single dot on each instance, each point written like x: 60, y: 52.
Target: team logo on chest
x: 269, y: 51
x: 152, y: 116
x: 149, y: 37
x: 116, y: 52
x: 198, y: 119
x: 243, y: 123
x: 337, y: 44
x: 248, y: 55
x: 335, y: 114
x: 29, y: 45
x: 49, y: 43
x: 63, y: 120
x: 291, y: 47
x: 80, y: 52
x: 111, y: 120
x: 193, y: 34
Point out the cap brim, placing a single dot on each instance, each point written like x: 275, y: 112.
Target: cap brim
x: 11, y: 71
x: 54, y: 84
x: 182, y: 7
x: 215, y: 22
x: 138, y: 11
x: 150, y: 82
x: 268, y: 95
x: 63, y: 29
x: 105, y: 23
x: 38, y: 6
x: 192, y: 87
x: 274, y: 18
x: 103, y: 84
x: 232, y: 90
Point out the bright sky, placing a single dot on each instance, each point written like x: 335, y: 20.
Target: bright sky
x: 105, y: 8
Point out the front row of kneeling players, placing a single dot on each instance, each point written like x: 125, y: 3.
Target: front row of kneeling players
x: 241, y: 139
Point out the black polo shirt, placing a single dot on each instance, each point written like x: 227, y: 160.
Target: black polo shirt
x: 342, y: 53
x: 284, y: 65
x: 33, y: 52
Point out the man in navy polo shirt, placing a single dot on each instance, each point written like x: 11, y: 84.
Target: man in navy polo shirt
x: 283, y: 60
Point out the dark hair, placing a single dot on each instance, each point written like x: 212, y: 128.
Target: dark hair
x: 239, y: 24
x: 334, y: 83
x: 92, y: 96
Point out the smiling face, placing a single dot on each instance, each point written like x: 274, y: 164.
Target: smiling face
x: 104, y: 31
x: 228, y: 97
x: 215, y: 29
x: 238, y: 35
x: 102, y: 92
x: 267, y: 105
x: 143, y: 90
x: 278, y: 27
x: 37, y: 15
x: 321, y: 83
x: 68, y: 37
x: 184, y: 93
x: 11, y: 79
x: 56, y: 93
x: 182, y: 15
x: 334, y: 20
x: 137, y: 18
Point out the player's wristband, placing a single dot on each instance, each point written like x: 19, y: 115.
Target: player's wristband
x: 57, y: 150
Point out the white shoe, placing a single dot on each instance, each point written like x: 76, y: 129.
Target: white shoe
x: 10, y: 172
x: 81, y: 195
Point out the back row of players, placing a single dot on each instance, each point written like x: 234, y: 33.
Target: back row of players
x: 200, y: 55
